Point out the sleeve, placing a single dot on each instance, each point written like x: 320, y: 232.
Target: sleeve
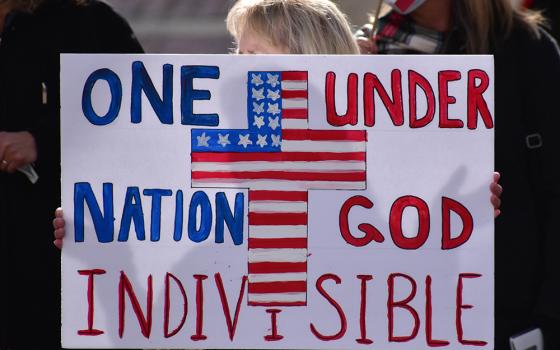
x: 111, y: 32
x: 544, y: 73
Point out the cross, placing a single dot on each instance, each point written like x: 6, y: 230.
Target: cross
x: 279, y: 159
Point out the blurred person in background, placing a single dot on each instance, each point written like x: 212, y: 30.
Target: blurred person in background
x: 32, y: 35
x: 527, y: 84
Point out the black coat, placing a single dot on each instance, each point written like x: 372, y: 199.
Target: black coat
x: 29, y: 64
x: 527, y: 91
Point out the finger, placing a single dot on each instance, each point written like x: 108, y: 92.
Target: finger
x: 13, y: 166
x: 497, y: 213
x: 3, y: 165
x: 59, y: 223
x: 58, y: 243
x: 497, y: 176
x: 59, y: 233
x: 365, y: 45
x: 58, y: 212
x: 496, y: 202
x: 496, y: 189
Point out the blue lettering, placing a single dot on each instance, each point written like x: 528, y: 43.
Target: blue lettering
x: 103, y: 223
x: 116, y: 97
x: 155, y: 226
x: 234, y: 221
x: 200, y: 200
x: 132, y: 212
x: 189, y: 95
x: 141, y: 81
x: 178, y: 232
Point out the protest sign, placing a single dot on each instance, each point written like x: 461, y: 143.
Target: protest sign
x: 291, y: 202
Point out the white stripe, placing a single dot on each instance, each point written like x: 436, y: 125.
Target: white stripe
x: 333, y: 165
x: 284, y: 185
x: 277, y: 255
x: 294, y: 124
x: 277, y: 297
x: 323, y: 146
x: 277, y: 277
x: 269, y: 231
x: 277, y: 207
x: 294, y: 103
x: 294, y: 85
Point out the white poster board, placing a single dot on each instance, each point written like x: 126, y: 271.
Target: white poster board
x: 290, y: 202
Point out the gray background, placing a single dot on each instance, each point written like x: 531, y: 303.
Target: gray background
x: 197, y: 26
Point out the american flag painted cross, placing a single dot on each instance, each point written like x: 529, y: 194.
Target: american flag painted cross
x: 278, y: 158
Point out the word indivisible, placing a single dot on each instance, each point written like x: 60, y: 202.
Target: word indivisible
x: 438, y: 98
x: 176, y: 293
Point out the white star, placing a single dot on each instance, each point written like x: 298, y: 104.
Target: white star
x: 258, y: 94
x: 273, y: 94
x: 259, y: 122
x: 224, y: 140
x: 275, y: 140
x: 244, y: 140
x: 272, y: 79
x: 258, y: 108
x: 256, y: 79
x: 273, y: 123
x: 273, y: 108
x: 202, y: 140
x: 262, y: 140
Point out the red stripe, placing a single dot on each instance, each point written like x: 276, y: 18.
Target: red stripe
x: 288, y: 196
x: 294, y: 113
x: 260, y: 219
x: 294, y: 93
x: 277, y: 303
x: 276, y: 157
x: 324, y: 135
x: 354, y: 176
x: 403, y: 5
x: 278, y: 287
x: 294, y: 76
x: 277, y: 267
x: 281, y: 243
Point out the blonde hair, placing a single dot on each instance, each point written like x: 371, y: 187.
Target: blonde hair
x: 490, y: 21
x: 302, y: 26
x: 486, y: 22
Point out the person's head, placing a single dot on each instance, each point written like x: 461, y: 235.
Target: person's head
x: 23, y: 5
x: 290, y: 27
x: 483, y: 22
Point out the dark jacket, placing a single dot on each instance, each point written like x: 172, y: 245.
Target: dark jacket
x: 527, y: 117
x: 29, y: 68
x: 527, y: 239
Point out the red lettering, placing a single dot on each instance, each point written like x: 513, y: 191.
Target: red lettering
x: 394, y: 106
x: 403, y: 304
x: 371, y: 233
x: 273, y: 336
x: 475, y: 99
x: 461, y: 307
x: 90, y: 298
x: 415, y: 80
x: 445, y: 100
x: 225, y: 305
x: 429, y: 340
x: 448, y: 205
x: 363, y: 306
x: 395, y: 222
x: 167, y: 306
x: 351, y: 116
x: 144, y: 321
x: 341, y: 315
x: 199, y: 308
